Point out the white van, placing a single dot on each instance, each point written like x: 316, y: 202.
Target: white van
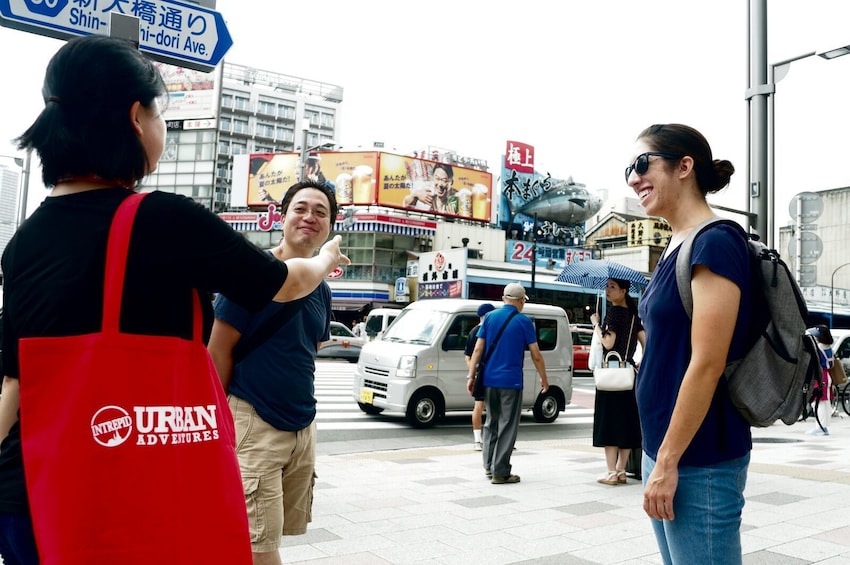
x: 379, y: 320
x: 418, y: 368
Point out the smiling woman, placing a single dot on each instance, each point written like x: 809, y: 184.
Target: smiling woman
x: 697, y: 445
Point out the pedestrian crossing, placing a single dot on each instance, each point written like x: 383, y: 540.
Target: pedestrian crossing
x: 337, y: 409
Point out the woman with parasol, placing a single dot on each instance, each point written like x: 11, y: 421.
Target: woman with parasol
x: 616, y: 426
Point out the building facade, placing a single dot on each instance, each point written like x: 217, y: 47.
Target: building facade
x: 10, y: 184
x: 236, y: 110
x: 821, y: 261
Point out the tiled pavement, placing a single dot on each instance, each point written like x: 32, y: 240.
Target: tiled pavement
x: 434, y: 506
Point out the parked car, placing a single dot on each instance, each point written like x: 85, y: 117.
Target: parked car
x: 582, y: 336
x: 418, y: 368
x: 342, y: 345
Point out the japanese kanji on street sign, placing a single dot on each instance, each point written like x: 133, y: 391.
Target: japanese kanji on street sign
x: 170, y: 31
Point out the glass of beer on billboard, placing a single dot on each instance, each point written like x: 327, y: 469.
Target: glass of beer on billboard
x: 344, y: 188
x: 464, y: 202
x: 361, y: 180
x: 480, y: 202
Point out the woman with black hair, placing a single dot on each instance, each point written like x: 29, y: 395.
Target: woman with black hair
x: 616, y: 426
x: 696, y: 445
x: 100, y: 133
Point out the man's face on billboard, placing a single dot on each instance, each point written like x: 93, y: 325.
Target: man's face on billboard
x: 442, y: 182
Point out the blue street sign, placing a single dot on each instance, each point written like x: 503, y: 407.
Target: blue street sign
x: 170, y: 31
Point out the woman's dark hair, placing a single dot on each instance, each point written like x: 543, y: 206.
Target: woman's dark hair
x: 85, y: 129
x: 824, y: 335
x: 324, y: 188
x: 630, y: 302
x: 676, y: 139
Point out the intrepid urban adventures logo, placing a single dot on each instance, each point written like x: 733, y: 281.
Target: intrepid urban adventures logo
x: 155, y: 425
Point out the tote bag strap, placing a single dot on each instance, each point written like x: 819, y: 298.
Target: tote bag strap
x: 498, y: 335
x: 116, y: 265
x: 629, y: 341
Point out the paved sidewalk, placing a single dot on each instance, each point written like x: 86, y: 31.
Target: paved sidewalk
x: 434, y: 506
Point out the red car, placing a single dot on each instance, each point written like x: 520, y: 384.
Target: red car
x: 582, y: 336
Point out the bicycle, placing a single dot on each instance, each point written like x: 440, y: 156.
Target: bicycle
x: 841, y: 394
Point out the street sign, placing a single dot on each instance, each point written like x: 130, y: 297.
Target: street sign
x: 810, y: 206
x: 811, y: 247
x: 180, y: 34
x: 808, y: 275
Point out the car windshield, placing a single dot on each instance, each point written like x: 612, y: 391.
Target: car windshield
x: 339, y: 329
x: 416, y: 326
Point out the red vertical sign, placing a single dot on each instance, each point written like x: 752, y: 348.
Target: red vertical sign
x: 519, y: 157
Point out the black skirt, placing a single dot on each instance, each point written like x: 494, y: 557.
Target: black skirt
x: 615, y: 419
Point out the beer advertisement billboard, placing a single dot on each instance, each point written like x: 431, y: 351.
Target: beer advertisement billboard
x: 269, y: 176
x: 351, y: 175
x: 432, y: 187
x: 369, y: 177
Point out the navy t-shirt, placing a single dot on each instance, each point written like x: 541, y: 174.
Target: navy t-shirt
x: 724, y: 434
x: 277, y: 376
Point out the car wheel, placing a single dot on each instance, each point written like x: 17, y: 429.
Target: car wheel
x: 425, y: 408
x: 370, y: 408
x: 546, y: 408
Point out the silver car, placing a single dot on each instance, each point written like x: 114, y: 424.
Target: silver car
x: 342, y: 345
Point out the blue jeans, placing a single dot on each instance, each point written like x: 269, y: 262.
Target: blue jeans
x: 17, y: 541
x: 707, y: 504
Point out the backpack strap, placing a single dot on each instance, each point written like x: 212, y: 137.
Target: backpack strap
x: 683, y: 260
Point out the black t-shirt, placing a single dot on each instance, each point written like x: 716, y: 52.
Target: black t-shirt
x: 53, y: 270
x: 471, y: 340
x: 626, y: 327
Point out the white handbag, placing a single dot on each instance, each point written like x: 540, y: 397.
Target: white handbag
x: 614, y: 378
x: 621, y: 377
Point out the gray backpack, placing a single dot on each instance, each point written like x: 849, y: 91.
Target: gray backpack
x: 771, y: 381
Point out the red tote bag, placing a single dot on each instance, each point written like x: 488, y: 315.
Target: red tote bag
x: 128, y: 441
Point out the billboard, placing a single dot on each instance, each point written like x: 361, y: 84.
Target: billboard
x: 554, y: 209
x: 192, y: 95
x: 269, y: 176
x: 442, y: 274
x: 369, y: 177
x: 519, y: 156
x: 547, y: 256
x: 435, y: 188
x: 351, y: 175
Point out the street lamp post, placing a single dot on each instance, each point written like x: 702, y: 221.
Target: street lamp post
x: 777, y: 73
x: 832, y: 293
x: 534, y: 258
x: 763, y: 204
x: 305, y: 128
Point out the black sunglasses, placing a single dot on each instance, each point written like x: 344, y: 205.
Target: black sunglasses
x: 641, y: 164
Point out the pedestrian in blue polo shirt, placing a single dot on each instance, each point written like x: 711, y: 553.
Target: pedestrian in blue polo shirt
x: 503, y: 379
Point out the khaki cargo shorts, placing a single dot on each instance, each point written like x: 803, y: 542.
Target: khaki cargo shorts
x: 278, y: 475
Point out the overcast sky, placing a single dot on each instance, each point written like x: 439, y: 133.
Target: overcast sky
x: 576, y: 79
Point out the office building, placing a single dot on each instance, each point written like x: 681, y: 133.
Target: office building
x: 236, y: 110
